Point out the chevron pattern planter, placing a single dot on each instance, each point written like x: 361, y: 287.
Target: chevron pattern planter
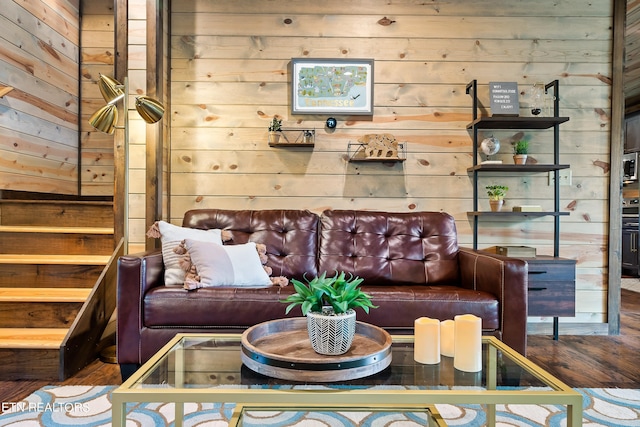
x: 331, y: 334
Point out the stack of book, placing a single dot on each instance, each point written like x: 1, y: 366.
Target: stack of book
x: 527, y: 208
x: 516, y: 251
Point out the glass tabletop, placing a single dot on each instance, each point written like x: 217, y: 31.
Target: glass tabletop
x: 209, y: 368
x: 204, y: 361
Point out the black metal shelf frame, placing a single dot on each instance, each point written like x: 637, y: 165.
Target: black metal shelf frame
x: 500, y: 123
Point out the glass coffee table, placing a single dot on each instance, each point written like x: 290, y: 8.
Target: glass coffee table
x: 208, y: 368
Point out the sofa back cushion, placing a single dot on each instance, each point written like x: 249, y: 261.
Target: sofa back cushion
x: 291, y: 236
x: 390, y: 248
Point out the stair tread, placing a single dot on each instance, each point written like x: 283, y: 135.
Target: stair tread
x: 50, y: 229
x: 44, y: 294
x: 36, y: 338
x: 54, y: 259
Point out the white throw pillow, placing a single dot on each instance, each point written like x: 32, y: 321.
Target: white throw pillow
x: 229, y: 265
x: 171, y: 236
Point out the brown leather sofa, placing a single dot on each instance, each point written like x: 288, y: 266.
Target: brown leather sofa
x: 410, y: 262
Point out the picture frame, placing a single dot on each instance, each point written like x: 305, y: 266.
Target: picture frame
x: 332, y: 86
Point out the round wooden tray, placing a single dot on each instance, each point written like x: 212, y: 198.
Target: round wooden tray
x: 281, y: 349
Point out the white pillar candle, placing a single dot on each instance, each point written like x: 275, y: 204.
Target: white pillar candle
x: 426, y: 346
x: 446, y: 337
x: 468, y: 343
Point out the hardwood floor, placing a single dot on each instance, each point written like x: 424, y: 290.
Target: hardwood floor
x: 579, y: 361
x: 595, y: 360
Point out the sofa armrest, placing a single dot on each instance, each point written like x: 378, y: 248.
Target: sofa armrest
x: 137, y: 273
x: 507, y: 278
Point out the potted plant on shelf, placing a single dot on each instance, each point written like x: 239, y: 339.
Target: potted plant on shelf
x: 520, y: 152
x: 329, y: 304
x: 496, y: 195
x: 274, y: 130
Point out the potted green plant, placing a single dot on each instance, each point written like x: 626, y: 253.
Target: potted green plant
x: 274, y: 130
x: 329, y: 304
x: 496, y: 195
x: 520, y: 152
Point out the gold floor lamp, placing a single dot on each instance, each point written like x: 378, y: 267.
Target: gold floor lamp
x: 106, y: 120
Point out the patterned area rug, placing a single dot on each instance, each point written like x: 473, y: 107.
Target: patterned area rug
x: 91, y: 406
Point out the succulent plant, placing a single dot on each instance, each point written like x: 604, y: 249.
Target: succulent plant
x: 275, y: 125
x: 340, y: 292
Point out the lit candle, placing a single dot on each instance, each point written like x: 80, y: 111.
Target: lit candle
x: 426, y: 346
x: 468, y: 343
x: 446, y: 337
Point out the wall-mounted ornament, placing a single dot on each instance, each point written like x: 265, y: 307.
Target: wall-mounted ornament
x: 332, y: 86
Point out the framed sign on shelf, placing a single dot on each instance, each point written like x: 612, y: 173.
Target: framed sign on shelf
x: 332, y: 86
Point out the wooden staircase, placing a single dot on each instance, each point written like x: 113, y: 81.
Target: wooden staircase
x: 56, y: 294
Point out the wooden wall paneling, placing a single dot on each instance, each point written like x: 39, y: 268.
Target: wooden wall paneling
x: 632, y: 56
x: 186, y: 48
x: 156, y: 81
x: 615, y: 185
x: 472, y: 7
x: 60, y: 15
x: 97, y: 57
x: 230, y: 76
x: 405, y: 26
x: 11, y: 181
x: 48, y: 36
x: 121, y: 25
x: 39, y: 58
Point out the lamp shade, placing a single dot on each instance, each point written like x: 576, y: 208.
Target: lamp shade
x: 105, y: 119
x: 149, y: 109
x: 111, y: 89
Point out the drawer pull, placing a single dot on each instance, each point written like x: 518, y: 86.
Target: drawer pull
x: 538, y: 289
x: 538, y: 272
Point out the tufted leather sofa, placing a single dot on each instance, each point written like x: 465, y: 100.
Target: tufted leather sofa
x: 411, y: 264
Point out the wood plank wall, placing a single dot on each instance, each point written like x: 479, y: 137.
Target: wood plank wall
x: 39, y: 56
x: 97, y: 57
x: 229, y: 65
x: 632, y: 57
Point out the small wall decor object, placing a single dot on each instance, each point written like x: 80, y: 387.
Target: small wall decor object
x: 379, y: 145
x: 332, y: 86
x: 468, y: 343
x: 504, y: 98
x: 447, y: 337
x: 537, y: 98
x: 490, y: 146
x: 426, y: 346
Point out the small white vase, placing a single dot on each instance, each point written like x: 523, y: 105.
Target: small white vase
x: 331, y: 334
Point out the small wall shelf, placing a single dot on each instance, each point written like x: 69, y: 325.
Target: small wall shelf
x: 296, y: 138
x: 355, y: 151
x: 516, y: 168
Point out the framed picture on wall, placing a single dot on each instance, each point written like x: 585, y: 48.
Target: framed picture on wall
x: 332, y: 86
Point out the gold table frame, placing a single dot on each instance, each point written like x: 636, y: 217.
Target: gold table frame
x: 341, y: 399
